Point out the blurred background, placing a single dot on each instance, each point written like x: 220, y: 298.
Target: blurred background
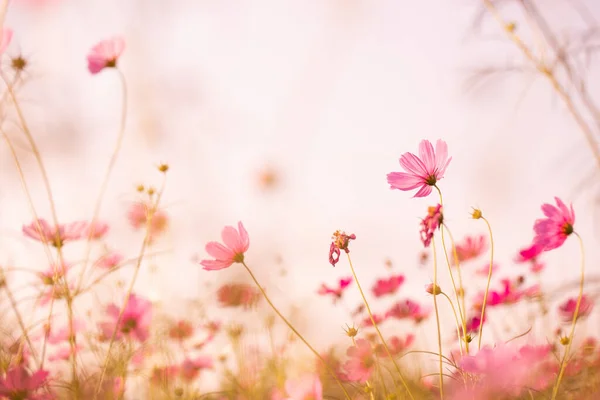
x: 287, y: 115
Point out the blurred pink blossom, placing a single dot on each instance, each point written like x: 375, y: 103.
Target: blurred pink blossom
x: 567, y: 309
x: 361, y: 364
x: 19, y: 384
x: 105, y: 54
x: 135, y: 322
x: 335, y: 292
x: 5, y: 37
x: 307, y: 387
x: 387, y: 286
x: 471, y: 248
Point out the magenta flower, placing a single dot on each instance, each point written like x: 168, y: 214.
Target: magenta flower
x: 471, y: 248
x: 422, y: 172
x: 408, y: 309
x: 56, y: 236
x: 567, y: 309
x: 335, y: 292
x: 431, y: 223
x: 361, y: 364
x: 387, y: 286
x: 105, y: 54
x: 552, y: 231
x: 236, y: 244
x: 135, y: 322
x: 307, y: 387
x: 5, y: 37
x: 19, y: 384
x: 341, y: 241
x: 531, y: 255
x: 379, y: 319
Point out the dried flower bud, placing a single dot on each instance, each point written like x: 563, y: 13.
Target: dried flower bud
x: 140, y: 188
x: 476, y: 214
x: 433, y: 289
x: 351, y: 331
x: 163, y: 168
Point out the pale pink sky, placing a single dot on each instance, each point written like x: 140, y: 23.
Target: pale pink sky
x: 330, y: 93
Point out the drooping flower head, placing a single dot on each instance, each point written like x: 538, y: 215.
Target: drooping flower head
x: 552, y: 231
x: 431, y: 223
x: 422, y: 172
x: 105, y: 54
x: 387, y: 286
x: 236, y: 242
x: 135, y: 322
x: 335, y: 292
x: 341, y: 241
x: 307, y: 387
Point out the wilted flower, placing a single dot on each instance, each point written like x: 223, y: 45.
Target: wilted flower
x: 340, y: 242
x: 431, y: 223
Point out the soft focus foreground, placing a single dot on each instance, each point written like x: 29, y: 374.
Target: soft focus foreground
x: 84, y: 313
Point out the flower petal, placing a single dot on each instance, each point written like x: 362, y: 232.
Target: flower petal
x: 404, y: 181
x: 218, y: 251
x: 427, y: 155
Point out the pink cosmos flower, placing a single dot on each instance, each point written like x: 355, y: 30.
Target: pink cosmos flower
x: 139, y: 214
x: 307, y: 387
x: 379, y: 319
x: 55, y: 236
x: 422, y: 172
x: 341, y: 241
x: 97, y: 230
x: 238, y: 294
x: 335, y: 292
x: 105, y: 54
x: 567, y: 309
x: 57, y: 291
x: 236, y: 244
x: 431, y: 223
x: 552, y: 231
x: 63, y: 334
x: 388, y: 286
x: 181, y: 330
x: 190, y: 368
x: 109, y: 260
x: 471, y: 248
x: 361, y: 364
x: 484, y: 270
x: 407, y: 309
x: 505, y: 370
x: 19, y: 384
x: 54, y: 273
x: 135, y: 322
x: 396, y: 345
x: 5, y: 37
